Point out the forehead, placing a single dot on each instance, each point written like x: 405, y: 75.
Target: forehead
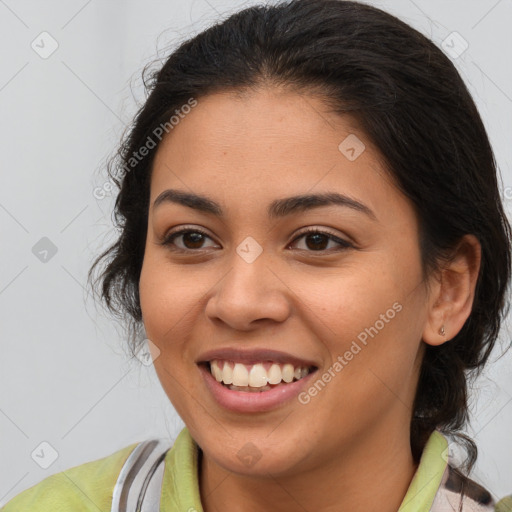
x: 275, y: 119
x: 248, y: 148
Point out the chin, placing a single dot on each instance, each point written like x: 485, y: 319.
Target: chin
x: 256, y: 457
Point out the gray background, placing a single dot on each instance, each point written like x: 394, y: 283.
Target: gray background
x: 66, y: 378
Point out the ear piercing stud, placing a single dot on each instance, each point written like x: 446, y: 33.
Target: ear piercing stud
x: 442, y: 331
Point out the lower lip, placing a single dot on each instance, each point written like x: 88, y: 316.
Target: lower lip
x: 252, y: 401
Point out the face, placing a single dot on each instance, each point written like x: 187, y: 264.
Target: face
x: 327, y: 294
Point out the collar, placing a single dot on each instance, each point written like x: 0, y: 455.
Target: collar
x: 427, y: 479
x: 180, y: 490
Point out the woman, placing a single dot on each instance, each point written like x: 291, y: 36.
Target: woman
x: 313, y: 239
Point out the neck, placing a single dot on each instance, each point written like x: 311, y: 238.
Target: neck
x: 376, y: 471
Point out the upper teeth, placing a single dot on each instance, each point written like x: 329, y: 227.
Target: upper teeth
x: 255, y: 375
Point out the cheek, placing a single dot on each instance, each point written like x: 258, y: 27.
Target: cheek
x: 370, y: 317
x: 349, y: 300
x: 167, y: 298
x: 165, y: 306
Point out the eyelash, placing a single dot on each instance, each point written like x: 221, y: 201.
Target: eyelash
x: 169, y: 240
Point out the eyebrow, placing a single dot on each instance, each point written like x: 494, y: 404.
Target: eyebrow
x: 278, y: 208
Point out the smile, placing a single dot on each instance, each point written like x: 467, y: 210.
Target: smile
x: 258, y: 377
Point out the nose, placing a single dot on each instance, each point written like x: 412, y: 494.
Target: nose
x: 249, y: 294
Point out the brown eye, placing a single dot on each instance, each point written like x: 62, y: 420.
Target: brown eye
x: 317, y: 241
x: 192, y: 239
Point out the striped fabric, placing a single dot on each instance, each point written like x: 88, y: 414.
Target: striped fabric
x: 139, y: 485
x: 448, y: 496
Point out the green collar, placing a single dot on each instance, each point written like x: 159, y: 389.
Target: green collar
x: 427, y: 479
x: 180, y: 490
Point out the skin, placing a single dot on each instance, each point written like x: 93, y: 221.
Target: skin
x: 244, y: 151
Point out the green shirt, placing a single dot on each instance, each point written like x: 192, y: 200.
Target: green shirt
x: 89, y: 487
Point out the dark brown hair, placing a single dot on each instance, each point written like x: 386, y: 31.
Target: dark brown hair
x: 408, y: 99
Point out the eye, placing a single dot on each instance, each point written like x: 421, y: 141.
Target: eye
x: 192, y: 238
x: 318, y: 240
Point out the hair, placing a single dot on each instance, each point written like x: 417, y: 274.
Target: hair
x: 409, y: 101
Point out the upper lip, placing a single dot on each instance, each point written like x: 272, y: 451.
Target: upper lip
x: 253, y: 356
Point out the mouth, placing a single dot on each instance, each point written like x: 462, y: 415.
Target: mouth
x: 254, y: 381
x: 256, y: 377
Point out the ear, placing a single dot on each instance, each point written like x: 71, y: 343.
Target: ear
x: 452, y: 295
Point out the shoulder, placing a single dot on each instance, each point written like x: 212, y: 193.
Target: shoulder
x: 456, y: 487
x: 87, y: 487
x: 505, y: 504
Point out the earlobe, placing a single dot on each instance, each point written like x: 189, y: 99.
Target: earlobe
x: 452, y: 296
